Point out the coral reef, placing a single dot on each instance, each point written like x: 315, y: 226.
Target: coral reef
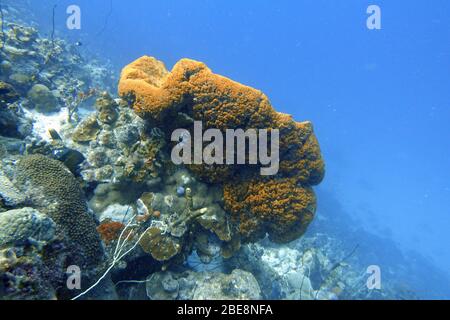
x: 57, y: 114
x: 192, y: 91
x: 181, y: 222
x: 87, y: 180
x: 117, y: 146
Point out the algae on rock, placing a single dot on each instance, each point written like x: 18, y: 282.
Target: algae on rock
x: 43, y: 99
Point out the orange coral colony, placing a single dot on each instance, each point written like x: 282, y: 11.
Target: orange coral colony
x: 281, y: 205
x: 110, y: 230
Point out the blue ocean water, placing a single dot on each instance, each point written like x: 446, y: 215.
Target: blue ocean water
x: 379, y: 99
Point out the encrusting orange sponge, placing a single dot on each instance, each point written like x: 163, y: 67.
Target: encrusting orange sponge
x: 281, y: 205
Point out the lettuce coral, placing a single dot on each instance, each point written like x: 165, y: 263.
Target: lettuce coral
x: 281, y: 205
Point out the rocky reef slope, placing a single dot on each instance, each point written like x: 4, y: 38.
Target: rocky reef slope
x: 86, y: 180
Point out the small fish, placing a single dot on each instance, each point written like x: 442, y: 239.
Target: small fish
x: 54, y: 134
x: 78, y: 43
x: 71, y: 158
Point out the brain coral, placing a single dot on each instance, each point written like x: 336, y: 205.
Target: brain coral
x: 282, y: 205
x: 17, y: 226
x: 57, y: 193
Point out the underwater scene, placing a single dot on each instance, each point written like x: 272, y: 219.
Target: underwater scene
x: 224, y: 150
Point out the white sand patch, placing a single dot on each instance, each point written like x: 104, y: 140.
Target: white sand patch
x: 43, y: 122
